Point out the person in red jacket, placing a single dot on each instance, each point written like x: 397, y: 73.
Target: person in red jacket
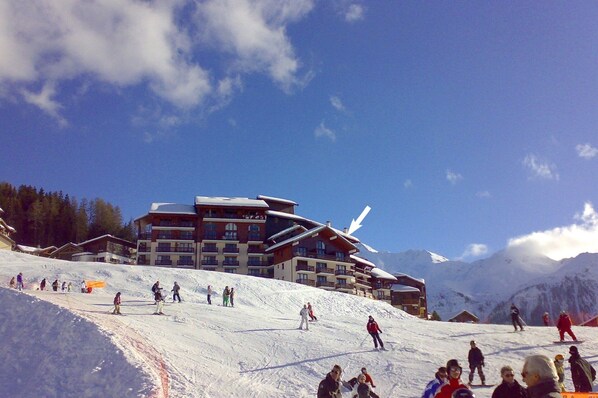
x: 454, y: 382
x: 564, y: 325
x: 117, y: 304
x: 374, y: 331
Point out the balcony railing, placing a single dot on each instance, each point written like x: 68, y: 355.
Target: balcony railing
x: 230, y: 250
x: 209, y: 249
x: 210, y: 235
x: 164, y: 236
x: 254, y: 237
x: 163, y: 249
x: 307, y: 282
x: 325, y: 284
x: 163, y: 262
x: 361, y: 281
x: 343, y: 272
x: 209, y: 262
x: 230, y: 263
x: 307, y: 268
x: 144, y: 249
x: 145, y: 236
x: 347, y: 286
x: 324, y: 270
x: 252, y: 249
x: 257, y: 263
x: 185, y: 263
x: 183, y: 250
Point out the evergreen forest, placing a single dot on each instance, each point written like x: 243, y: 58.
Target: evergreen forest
x: 45, y: 219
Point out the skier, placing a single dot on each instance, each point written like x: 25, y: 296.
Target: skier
x: 55, y: 285
x: 159, y: 301
x: 155, y: 288
x: 559, y: 362
x: 439, y: 379
x: 20, y: 281
x: 304, y: 312
x: 42, y: 284
x: 231, y: 296
x: 515, y: 318
x: 564, y: 325
x: 546, y: 319
x: 582, y: 373
x: 374, y: 331
x: 363, y: 389
x: 83, y: 287
x: 63, y: 288
x: 12, y: 283
x: 311, y: 312
x: 69, y: 288
x: 368, y: 378
x: 509, y: 388
x: 476, y: 361
x: 117, y: 304
x: 454, y: 383
x: 210, y: 294
x: 330, y: 386
x: 176, y: 295
x: 225, y: 296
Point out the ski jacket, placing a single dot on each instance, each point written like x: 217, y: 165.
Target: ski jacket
x: 475, y: 357
x: 117, y: 299
x: 373, y: 327
x: 210, y: 290
x: 560, y: 371
x: 155, y: 287
x: 582, y: 374
x: 546, y: 319
x: 432, y: 387
x: 368, y: 379
x: 20, y: 278
x: 506, y: 390
x: 303, y: 313
x: 514, y: 312
x: 329, y: 388
x: 548, y: 388
x: 364, y: 391
x: 158, y: 295
x: 226, y: 292
x: 176, y: 288
x: 564, y: 322
x: 447, y: 389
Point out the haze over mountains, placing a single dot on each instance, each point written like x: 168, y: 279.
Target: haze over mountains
x: 487, y: 287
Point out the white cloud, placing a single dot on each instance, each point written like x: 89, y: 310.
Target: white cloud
x: 540, y: 169
x: 562, y: 242
x: 354, y: 12
x: 337, y: 103
x: 483, y: 194
x: 44, y: 101
x: 323, y: 131
x: 586, y: 151
x: 453, y: 177
x: 474, y: 250
x: 408, y: 184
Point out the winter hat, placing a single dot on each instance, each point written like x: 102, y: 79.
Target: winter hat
x: 559, y: 357
x: 462, y: 393
x: 573, y: 350
x: 452, y: 363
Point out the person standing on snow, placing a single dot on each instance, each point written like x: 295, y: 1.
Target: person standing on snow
x: 12, y: 283
x: 225, y: 296
x: 515, y: 317
x: 564, y: 325
x: 159, y: 301
x: 368, y: 378
x: 63, y: 288
x: 210, y: 294
x: 546, y: 319
x: 117, y: 304
x: 509, y: 388
x: 20, y: 281
x: 303, y: 313
x: 559, y: 364
x: 232, y: 296
x: 155, y: 287
x: 363, y: 389
x: 440, y: 378
x: 176, y: 295
x: 582, y: 373
x: 330, y: 386
x: 311, y: 312
x: 83, y: 287
x: 69, y: 287
x: 374, y: 331
x: 454, y: 383
x: 42, y: 284
x: 55, y: 285
x: 476, y: 362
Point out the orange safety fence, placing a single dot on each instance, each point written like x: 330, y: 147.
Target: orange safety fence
x: 95, y: 284
x: 579, y: 395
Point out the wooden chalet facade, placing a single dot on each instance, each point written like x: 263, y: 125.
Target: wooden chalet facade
x: 465, y: 317
x: 6, y: 243
x: 103, y: 249
x: 409, y: 294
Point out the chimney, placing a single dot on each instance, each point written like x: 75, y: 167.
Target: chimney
x: 346, y: 230
x: 328, y: 224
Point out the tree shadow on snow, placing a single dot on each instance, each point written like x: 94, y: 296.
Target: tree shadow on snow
x: 304, y: 361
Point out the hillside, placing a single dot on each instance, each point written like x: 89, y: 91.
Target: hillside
x: 251, y: 350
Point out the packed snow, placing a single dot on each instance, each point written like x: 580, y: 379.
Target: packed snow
x: 70, y: 345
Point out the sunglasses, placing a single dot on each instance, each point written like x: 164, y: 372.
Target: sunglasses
x: 509, y: 375
x: 455, y: 369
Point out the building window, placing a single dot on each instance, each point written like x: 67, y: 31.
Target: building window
x: 342, y: 282
x: 380, y: 295
x: 230, y: 270
x: 322, y: 280
x: 210, y: 231
x: 163, y: 247
x: 185, y: 260
x: 340, y: 256
x: 320, y: 248
x: 302, y: 277
x: 320, y: 266
x: 187, y: 235
x: 342, y: 269
x: 185, y: 247
x: 301, y: 251
x: 254, y: 272
x: 230, y: 231
x: 254, y: 232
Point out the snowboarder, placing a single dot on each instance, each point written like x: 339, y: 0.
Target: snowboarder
x: 454, y: 383
x: 159, y: 301
x: 509, y: 388
x: 303, y: 313
x: 582, y: 373
x: 117, y: 304
x: 55, y: 285
x: 225, y: 296
x: 42, y: 284
x: 439, y: 379
x: 232, y: 296
x: 176, y: 295
x: 363, y: 389
x: 311, y: 312
x: 515, y: 317
x: 330, y: 386
x: 63, y: 287
x: 559, y: 364
x: 20, y: 281
x: 374, y: 331
x: 540, y: 376
x: 546, y: 319
x: 83, y: 287
x: 12, y: 283
x: 210, y: 294
x: 476, y: 362
x: 564, y: 325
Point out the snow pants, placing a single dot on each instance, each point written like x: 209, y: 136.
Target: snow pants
x: 232, y: 301
x: 159, y: 306
x: 175, y: 296
x: 225, y: 301
x: 116, y: 309
x: 304, y: 320
x: 472, y: 370
x: 568, y: 330
x: 19, y: 286
x: 377, y: 340
x: 517, y: 322
x: 209, y: 299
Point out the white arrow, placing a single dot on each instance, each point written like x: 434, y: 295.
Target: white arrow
x: 356, y: 224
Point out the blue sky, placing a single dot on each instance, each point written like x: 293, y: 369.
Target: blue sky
x: 467, y: 127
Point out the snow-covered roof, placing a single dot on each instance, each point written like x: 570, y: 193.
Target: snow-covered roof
x: 106, y: 236
x: 297, y: 237
x: 295, y: 217
x: 172, y: 208
x: 403, y: 289
x: 399, y: 274
x: 362, y: 260
x: 223, y: 201
x: 28, y: 249
x: 381, y: 274
x: 286, y: 231
x: 462, y: 312
x: 279, y: 200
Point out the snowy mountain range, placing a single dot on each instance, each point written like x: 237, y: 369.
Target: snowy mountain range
x: 487, y: 287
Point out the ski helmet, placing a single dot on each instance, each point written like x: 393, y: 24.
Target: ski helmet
x: 453, y: 363
x: 463, y: 393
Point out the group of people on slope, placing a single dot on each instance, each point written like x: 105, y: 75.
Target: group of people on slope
x: 65, y: 287
x: 359, y: 387
x: 17, y: 283
x: 563, y: 324
x: 306, y: 311
x: 228, y: 296
x: 159, y: 296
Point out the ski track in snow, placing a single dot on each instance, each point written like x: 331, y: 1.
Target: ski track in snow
x: 256, y: 350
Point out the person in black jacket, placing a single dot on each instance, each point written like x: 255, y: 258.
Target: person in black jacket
x: 515, y: 317
x: 476, y: 361
x: 582, y: 373
x: 509, y: 388
x: 330, y: 386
